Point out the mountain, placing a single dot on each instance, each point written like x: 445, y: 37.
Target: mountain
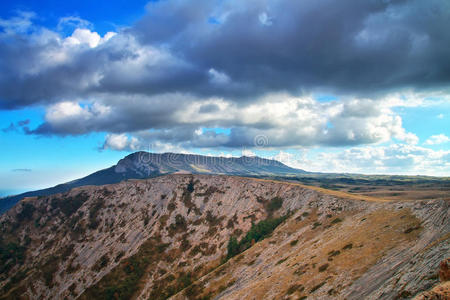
x: 145, y: 165
x: 183, y: 236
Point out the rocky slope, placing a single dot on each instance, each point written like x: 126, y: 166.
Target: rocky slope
x: 168, y: 237
x: 142, y: 164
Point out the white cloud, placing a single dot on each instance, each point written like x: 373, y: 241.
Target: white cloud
x: 392, y: 159
x: 217, y: 77
x: 246, y: 152
x: 120, y: 142
x: 72, y: 22
x: 264, y: 19
x: 440, y: 116
x: 437, y: 139
x: 18, y: 24
x: 84, y: 36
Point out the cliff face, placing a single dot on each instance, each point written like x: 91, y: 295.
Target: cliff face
x: 169, y: 237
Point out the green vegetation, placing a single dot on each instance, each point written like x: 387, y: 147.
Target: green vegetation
x: 123, y: 281
x: 274, y: 205
x: 323, y: 267
x: 70, y: 205
x: 180, y: 225
x: 10, y: 255
x: 233, y: 247
x: 282, y: 261
x: 93, y: 213
x: 334, y: 253
x: 294, y: 288
x: 190, y: 186
x: 316, y: 224
x: 348, y: 246
x: 335, y: 221
x: 315, y: 288
x: 256, y: 233
x: 26, y: 213
x: 101, y: 263
x: 48, y: 270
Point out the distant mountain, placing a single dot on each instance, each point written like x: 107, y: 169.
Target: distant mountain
x: 142, y: 164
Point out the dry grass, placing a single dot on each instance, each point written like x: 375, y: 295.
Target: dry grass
x: 370, y: 240
x: 338, y: 194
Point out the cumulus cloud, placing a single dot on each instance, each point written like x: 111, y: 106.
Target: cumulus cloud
x: 282, y: 120
x: 392, y: 159
x: 120, y: 142
x: 437, y: 139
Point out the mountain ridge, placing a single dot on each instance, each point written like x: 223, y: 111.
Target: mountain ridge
x: 141, y: 164
x: 166, y: 238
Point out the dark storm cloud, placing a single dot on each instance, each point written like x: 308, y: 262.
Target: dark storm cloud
x: 255, y: 47
x: 343, y: 46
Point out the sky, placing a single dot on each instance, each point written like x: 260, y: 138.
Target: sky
x: 331, y: 86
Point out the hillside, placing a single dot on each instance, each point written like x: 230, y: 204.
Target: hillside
x: 170, y: 237
x: 141, y: 165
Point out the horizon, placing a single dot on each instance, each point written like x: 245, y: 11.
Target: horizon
x: 12, y: 192
x: 366, y: 92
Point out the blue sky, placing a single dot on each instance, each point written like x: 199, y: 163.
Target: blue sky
x: 83, y: 85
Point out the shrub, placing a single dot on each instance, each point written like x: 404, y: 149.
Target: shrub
x: 274, y: 205
x: 26, y: 213
x: 71, y: 204
x: 335, y: 221
x: 256, y: 233
x: 348, y: 246
x: 334, y: 253
x: 93, y: 212
x: 190, y: 186
x: 293, y: 288
x: 315, y: 288
x: 179, y: 225
x: 323, y: 267
x: 316, y: 224
x: 101, y: 263
x: 10, y: 254
x: 233, y: 247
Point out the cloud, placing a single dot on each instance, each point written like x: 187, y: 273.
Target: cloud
x: 119, y: 142
x: 359, y: 48
x: 254, y: 70
x: 18, y: 24
x: 392, y: 159
x: 282, y: 120
x: 73, y: 22
x: 437, y: 139
x: 21, y: 170
x: 17, y: 126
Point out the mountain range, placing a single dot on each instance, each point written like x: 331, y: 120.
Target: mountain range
x: 140, y: 165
